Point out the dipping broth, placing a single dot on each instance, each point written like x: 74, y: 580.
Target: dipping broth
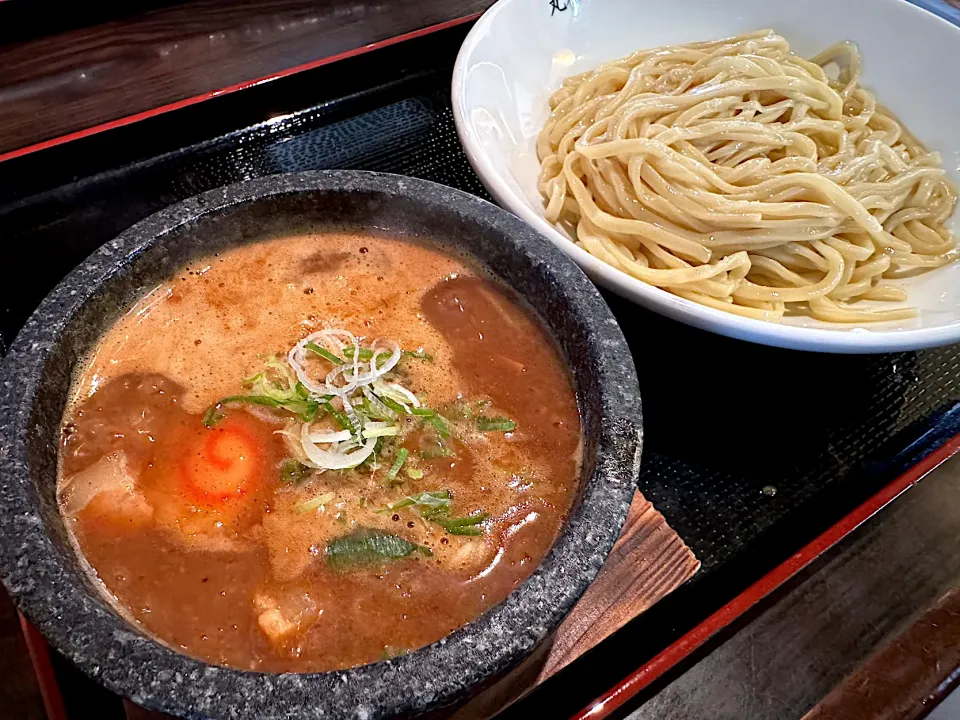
x: 318, y: 451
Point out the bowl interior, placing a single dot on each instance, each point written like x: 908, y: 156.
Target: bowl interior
x: 519, y: 52
x: 43, y: 572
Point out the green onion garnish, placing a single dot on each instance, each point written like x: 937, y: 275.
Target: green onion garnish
x: 392, y: 404
x: 436, y: 452
x: 340, y: 417
x: 418, y: 354
x: 364, y: 354
x: 213, y: 415
x: 402, y: 454
x: 495, y: 424
x: 434, y: 506
x: 414, y: 473
x: 293, y: 470
x: 432, y: 418
x: 322, y: 352
x: 374, y: 407
x: 460, y: 526
x: 371, y: 430
x: 440, y: 425
x: 306, y: 409
x: 433, y: 501
x: 314, y: 503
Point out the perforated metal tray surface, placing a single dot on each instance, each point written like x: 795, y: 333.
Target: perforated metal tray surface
x: 750, y: 451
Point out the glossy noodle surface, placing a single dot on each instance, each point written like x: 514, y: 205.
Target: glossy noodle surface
x: 738, y: 175
x: 248, y: 520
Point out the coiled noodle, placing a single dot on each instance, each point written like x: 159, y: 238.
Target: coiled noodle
x: 740, y: 176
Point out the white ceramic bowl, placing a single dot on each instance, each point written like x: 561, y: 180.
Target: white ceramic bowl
x: 520, y: 50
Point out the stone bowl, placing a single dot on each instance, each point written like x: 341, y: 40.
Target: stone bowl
x: 43, y: 574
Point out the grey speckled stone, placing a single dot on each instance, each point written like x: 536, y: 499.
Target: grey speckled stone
x: 42, y: 573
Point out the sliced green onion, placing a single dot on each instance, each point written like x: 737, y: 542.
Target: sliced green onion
x: 414, y: 473
x: 393, y: 405
x: 379, y: 429
x: 366, y: 355
x: 402, y: 454
x: 432, y: 417
x: 433, y: 501
x: 315, y: 503
x: 457, y: 409
x: 418, y: 354
x: 293, y: 471
x: 461, y: 526
x: 436, y: 452
x: 363, y: 355
x: 439, y: 424
x: 213, y: 415
x: 377, y: 408
x: 306, y: 409
x: 495, y: 424
x: 341, y: 418
x: 322, y: 352
x: 398, y: 393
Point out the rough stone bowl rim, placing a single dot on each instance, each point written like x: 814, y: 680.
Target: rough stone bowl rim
x: 203, y: 690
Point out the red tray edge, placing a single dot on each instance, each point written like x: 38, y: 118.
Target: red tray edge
x: 646, y: 674
x: 120, y: 122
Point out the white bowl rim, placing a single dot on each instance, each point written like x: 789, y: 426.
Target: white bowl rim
x: 857, y: 340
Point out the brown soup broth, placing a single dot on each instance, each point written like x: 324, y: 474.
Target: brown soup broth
x: 212, y: 541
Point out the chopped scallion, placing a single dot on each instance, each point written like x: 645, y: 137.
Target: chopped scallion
x: 340, y: 417
x: 431, y: 500
x: 438, y: 451
x: 314, y: 503
x: 432, y: 418
x: 306, y: 409
x: 434, y: 506
x: 213, y: 415
x: 439, y: 424
x: 293, y: 470
x: 495, y: 424
x: 393, y: 405
x: 414, y: 473
x: 364, y: 355
x: 323, y: 352
x: 460, y: 526
x: 418, y: 354
x: 402, y: 454
x: 375, y: 429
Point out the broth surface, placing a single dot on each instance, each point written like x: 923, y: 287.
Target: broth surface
x: 205, y: 536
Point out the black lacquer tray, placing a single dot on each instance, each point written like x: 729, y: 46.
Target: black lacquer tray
x: 751, y: 452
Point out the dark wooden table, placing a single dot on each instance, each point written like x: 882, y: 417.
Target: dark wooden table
x: 871, y: 629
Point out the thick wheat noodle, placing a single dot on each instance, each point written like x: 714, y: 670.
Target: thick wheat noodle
x: 735, y: 174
